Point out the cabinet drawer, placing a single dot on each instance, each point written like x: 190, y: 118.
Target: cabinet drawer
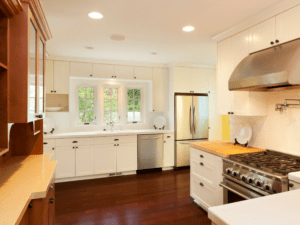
x: 295, y: 185
x: 74, y: 142
x: 203, y: 156
x: 204, y: 170
x: 202, y: 192
x: 115, y: 140
x: 168, y: 137
x: 49, y: 143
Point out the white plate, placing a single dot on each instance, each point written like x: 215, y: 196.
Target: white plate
x: 159, y: 122
x: 242, y: 132
x: 49, y: 125
x: 54, y: 109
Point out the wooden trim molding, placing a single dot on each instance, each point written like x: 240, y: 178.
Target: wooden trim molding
x: 11, y: 7
x: 39, y: 15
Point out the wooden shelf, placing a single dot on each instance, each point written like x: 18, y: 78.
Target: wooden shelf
x: 3, y: 151
x: 3, y: 66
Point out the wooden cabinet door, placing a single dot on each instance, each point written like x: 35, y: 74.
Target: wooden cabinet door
x: 85, y: 160
x: 224, y: 71
x: 25, y: 219
x: 142, y: 73
x: 126, y: 157
x: 105, y: 159
x: 61, y: 77
x: 288, y: 25
x: 65, y: 157
x: 123, y: 72
x: 52, y: 151
x: 262, y: 34
x: 169, y: 153
x: 182, y: 79
x: 78, y: 69
x: 103, y: 71
x: 49, y: 75
x: 160, y: 89
x: 199, y: 80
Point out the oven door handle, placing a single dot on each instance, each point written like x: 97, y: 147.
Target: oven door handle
x: 234, y: 191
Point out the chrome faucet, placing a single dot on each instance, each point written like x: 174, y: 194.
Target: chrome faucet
x: 111, y: 124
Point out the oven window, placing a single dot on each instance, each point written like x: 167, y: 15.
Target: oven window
x: 232, y: 197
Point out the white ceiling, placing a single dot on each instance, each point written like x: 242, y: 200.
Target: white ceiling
x: 149, y: 26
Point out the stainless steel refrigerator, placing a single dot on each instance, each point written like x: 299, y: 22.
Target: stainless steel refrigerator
x: 191, y: 124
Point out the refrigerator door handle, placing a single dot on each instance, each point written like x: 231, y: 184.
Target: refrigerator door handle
x: 190, y: 117
x: 194, y: 125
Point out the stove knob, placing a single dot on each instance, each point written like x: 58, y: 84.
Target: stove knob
x: 268, y: 187
x: 244, y: 177
x: 250, y: 180
x: 259, y: 183
x: 236, y: 173
x: 229, y: 171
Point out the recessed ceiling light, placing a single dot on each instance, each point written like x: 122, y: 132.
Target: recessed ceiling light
x: 117, y: 37
x: 87, y: 47
x: 95, y: 15
x: 188, y: 28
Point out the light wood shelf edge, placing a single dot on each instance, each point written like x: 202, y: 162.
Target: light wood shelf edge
x: 3, y: 151
x: 3, y: 66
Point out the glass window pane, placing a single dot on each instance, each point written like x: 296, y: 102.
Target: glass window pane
x: 115, y: 116
x: 130, y: 116
x: 81, y: 92
x: 107, y: 105
x: 90, y: 105
x: 81, y: 104
x: 90, y: 117
x: 106, y: 93
x: 90, y: 92
x: 41, y: 77
x: 114, y: 93
x: 130, y: 94
x: 137, y: 116
x: 32, y: 74
x: 82, y: 117
x: 114, y: 105
x: 137, y: 105
x: 130, y: 105
x: 137, y: 94
x: 107, y: 118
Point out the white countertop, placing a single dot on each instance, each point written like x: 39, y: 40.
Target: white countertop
x: 277, y: 209
x: 105, y: 133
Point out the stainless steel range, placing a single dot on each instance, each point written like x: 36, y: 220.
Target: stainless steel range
x: 253, y: 175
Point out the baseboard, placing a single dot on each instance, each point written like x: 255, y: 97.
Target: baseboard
x: 61, y: 180
x: 149, y: 171
x: 168, y: 168
x: 182, y: 168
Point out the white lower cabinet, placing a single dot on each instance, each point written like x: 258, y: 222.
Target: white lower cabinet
x: 126, y: 157
x: 105, y: 159
x: 169, y: 153
x: 85, y: 160
x: 206, y: 175
x: 65, y: 157
x: 52, y: 151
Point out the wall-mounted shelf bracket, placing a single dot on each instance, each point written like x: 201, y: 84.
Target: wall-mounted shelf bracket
x: 287, y: 103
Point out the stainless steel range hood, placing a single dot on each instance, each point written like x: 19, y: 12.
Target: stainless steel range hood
x: 276, y: 68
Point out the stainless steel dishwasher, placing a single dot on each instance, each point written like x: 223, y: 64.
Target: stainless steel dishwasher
x: 150, y: 151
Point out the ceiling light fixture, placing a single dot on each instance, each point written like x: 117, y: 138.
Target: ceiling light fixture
x: 188, y: 28
x: 95, y: 15
x: 117, y: 37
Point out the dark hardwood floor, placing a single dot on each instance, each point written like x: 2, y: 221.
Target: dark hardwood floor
x: 156, y: 198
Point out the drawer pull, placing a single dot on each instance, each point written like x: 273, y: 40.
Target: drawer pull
x: 75, y: 142
x: 201, y: 184
x: 53, y: 149
x: 116, y: 140
x: 201, y: 156
x: 30, y: 205
x: 45, y: 143
x: 168, y: 136
x: 201, y: 164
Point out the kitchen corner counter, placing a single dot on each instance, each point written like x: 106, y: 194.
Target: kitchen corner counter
x: 23, y: 179
x: 276, y: 209
x: 222, y: 148
x: 105, y: 133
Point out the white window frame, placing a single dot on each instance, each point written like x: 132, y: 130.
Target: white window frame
x: 142, y: 88
x: 95, y: 104
x: 118, y: 87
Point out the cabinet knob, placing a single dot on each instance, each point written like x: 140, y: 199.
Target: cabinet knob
x: 272, y: 43
x: 291, y: 185
x: 53, y: 149
x: 40, y: 116
x: 91, y: 75
x: 54, y: 91
x: 30, y: 205
x: 134, y: 77
x: 51, y: 91
x: 201, y: 184
x: 277, y: 41
x: 51, y: 188
x: 201, y: 164
x: 51, y: 200
x: 201, y: 156
x: 153, y: 110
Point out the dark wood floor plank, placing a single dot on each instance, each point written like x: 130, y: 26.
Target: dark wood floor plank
x: 150, y: 199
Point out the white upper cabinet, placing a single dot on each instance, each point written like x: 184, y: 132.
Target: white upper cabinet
x: 213, y: 82
x: 182, y: 79
x: 103, y: 71
x: 142, y: 73
x: 61, y: 77
x: 199, y: 80
x: 123, y: 72
x: 79, y: 69
x: 225, y: 68
x: 49, y: 74
x: 263, y: 35
x: 160, y: 89
x: 288, y: 25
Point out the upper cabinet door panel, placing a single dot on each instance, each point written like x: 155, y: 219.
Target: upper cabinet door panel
x: 142, y: 73
x: 182, y: 79
x: 160, y: 89
x: 199, y: 80
x: 123, y: 72
x: 49, y: 76
x: 288, y: 25
x: 240, y: 46
x: 103, y: 71
x: 262, y: 35
x: 41, y: 86
x: 81, y: 69
x: 32, y: 73
x: 213, y: 82
x: 61, y: 77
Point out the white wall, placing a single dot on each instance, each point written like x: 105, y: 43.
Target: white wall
x: 278, y: 131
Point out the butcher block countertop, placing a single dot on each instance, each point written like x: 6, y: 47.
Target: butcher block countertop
x: 223, y: 148
x: 23, y: 179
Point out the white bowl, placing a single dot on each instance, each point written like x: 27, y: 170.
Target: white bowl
x: 53, y: 109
